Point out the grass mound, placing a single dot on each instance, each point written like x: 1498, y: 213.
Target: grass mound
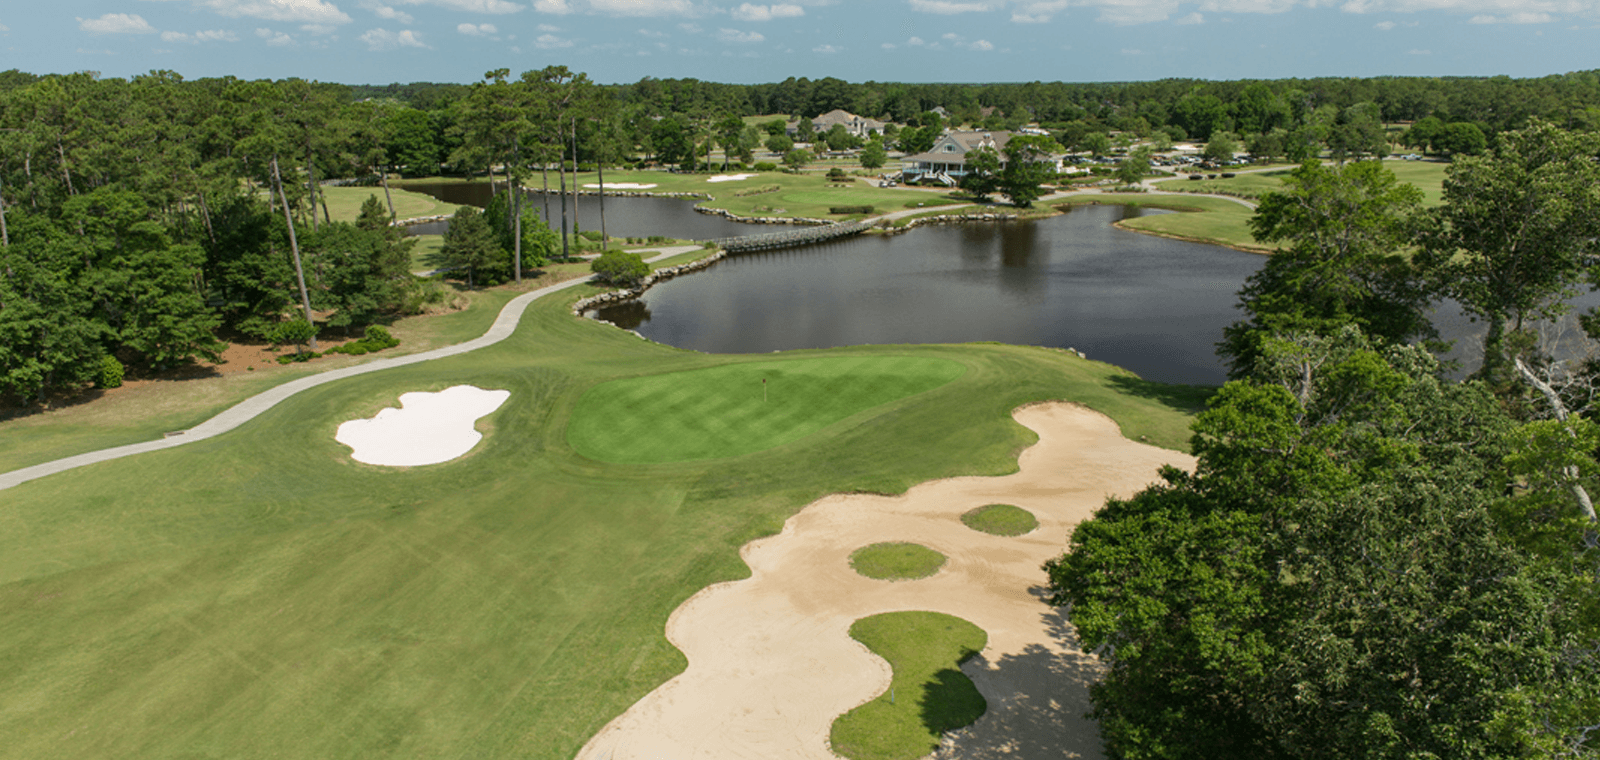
x: 928, y: 695
x: 740, y: 408
x: 896, y: 561
x: 1000, y: 520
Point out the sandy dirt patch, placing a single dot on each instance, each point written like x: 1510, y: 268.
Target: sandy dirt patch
x: 428, y: 428
x: 622, y: 186
x: 771, y: 661
x: 729, y: 177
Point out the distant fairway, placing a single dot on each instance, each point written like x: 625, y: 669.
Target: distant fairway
x: 740, y: 408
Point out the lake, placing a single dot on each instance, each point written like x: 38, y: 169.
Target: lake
x: 1152, y: 305
x: 625, y: 216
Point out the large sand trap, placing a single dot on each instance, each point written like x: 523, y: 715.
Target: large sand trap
x: 771, y: 661
x: 729, y: 177
x: 428, y: 428
x: 623, y: 186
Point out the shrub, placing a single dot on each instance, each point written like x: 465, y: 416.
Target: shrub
x: 620, y: 268
x: 766, y: 166
x: 110, y: 373
x: 379, y: 335
x: 593, y: 235
x: 296, y: 332
x: 851, y: 209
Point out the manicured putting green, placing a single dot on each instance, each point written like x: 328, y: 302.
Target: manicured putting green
x: 896, y: 561
x: 928, y: 695
x: 1001, y: 520
x: 740, y: 408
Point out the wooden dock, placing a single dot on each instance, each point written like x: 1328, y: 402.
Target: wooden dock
x: 788, y: 238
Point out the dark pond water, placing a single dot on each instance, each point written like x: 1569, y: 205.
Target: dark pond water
x: 1149, y: 304
x: 625, y: 217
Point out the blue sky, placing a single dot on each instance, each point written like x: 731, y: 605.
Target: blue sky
x: 381, y: 41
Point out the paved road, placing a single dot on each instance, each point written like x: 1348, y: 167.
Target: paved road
x: 244, y: 411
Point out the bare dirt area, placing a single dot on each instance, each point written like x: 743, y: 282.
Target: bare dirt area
x: 771, y: 662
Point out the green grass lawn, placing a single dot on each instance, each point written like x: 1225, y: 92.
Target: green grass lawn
x: 896, y: 561
x: 1001, y: 520
x: 344, y: 203
x: 425, y: 254
x: 1210, y: 220
x: 928, y: 696
x: 260, y: 594
x: 741, y: 408
x: 799, y: 195
x: 1428, y: 176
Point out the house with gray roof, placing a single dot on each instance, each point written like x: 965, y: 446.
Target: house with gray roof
x: 946, y: 161
x: 859, y: 126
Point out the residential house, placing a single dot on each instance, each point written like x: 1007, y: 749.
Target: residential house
x: 859, y: 126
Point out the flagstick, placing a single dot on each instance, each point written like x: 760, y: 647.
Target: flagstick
x: 763, y: 390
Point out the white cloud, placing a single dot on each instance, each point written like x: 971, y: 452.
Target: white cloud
x: 736, y: 36
x: 981, y: 45
x: 551, y: 42
x: 825, y: 49
x: 497, y: 7
x: 1124, y: 12
x: 951, y: 7
x: 1254, y: 6
x: 477, y: 30
x: 116, y: 23
x: 4, y: 28
x: 915, y: 42
x: 303, y: 11
x: 653, y: 34
x: 212, y: 35
x: 748, y: 12
x: 1132, y: 51
x: 887, y: 46
x: 383, y: 39
x: 386, y: 12
x: 318, y: 30
x: 1415, y: 51
x: 1384, y: 26
x: 1513, y: 18
x: 691, y: 28
x: 1038, y: 12
x: 275, y: 39
x: 549, y: 28
x: 647, y: 8
x: 558, y: 7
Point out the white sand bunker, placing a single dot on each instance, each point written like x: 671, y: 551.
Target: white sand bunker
x: 729, y: 177
x: 622, y: 185
x: 429, y: 428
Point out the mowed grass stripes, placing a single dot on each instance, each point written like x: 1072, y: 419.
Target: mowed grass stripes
x: 740, y: 408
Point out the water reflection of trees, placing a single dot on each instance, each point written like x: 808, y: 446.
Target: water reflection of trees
x: 628, y: 315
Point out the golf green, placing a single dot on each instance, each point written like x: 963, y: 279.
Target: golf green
x: 740, y: 408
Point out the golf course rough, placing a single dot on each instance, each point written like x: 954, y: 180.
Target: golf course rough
x: 741, y: 408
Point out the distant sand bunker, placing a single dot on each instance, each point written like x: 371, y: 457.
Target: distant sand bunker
x: 623, y: 185
x: 730, y: 177
x: 428, y: 428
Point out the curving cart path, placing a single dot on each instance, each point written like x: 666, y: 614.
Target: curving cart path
x: 771, y: 662
x: 244, y: 411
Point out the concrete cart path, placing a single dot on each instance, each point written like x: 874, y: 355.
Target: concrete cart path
x: 244, y: 411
